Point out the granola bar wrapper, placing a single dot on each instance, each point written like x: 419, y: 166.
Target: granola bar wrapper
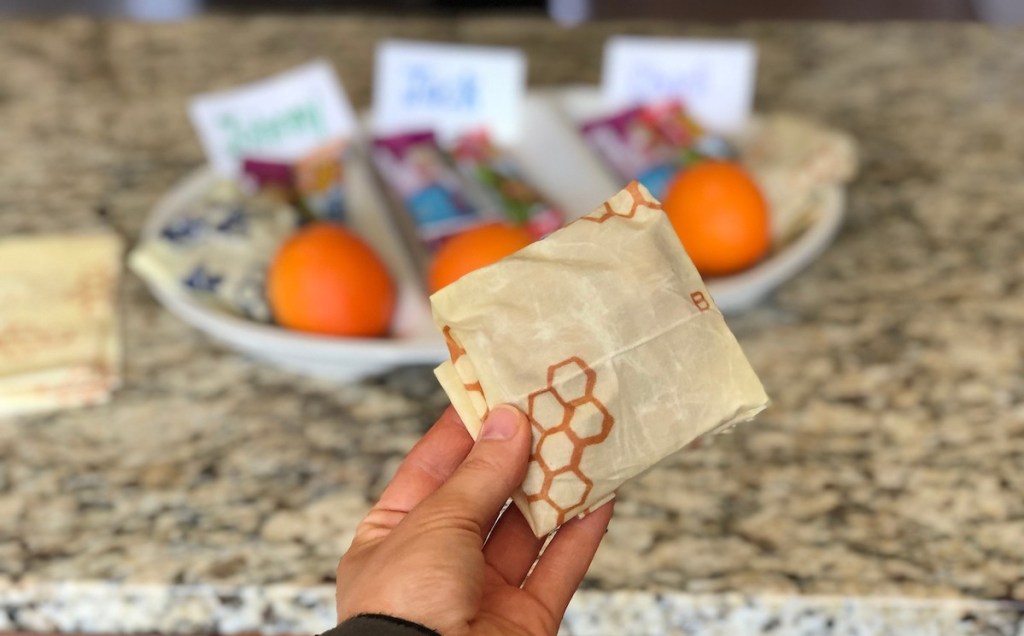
x: 605, y: 335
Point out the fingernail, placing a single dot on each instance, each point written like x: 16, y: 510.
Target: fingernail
x: 502, y: 423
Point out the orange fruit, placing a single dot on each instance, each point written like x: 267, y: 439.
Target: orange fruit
x: 324, y: 279
x: 473, y: 249
x: 720, y: 216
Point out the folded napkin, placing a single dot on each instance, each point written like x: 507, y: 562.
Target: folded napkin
x: 59, y: 341
x: 605, y: 336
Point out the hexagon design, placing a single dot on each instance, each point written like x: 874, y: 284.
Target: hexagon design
x: 570, y: 493
x: 649, y: 206
x: 547, y: 504
x: 618, y: 206
x: 555, y: 450
x: 590, y: 422
x: 572, y: 380
x: 567, y: 418
x: 601, y: 215
x: 464, y: 367
x: 534, y: 481
x: 455, y: 350
x: 546, y: 410
x: 476, y: 398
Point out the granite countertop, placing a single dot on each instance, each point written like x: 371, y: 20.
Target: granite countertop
x: 882, y: 491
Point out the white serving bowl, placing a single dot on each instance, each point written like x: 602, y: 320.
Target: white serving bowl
x: 556, y: 160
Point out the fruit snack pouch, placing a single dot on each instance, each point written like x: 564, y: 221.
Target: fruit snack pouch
x: 649, y: 143
x: 502, y: 183
x: 426, y: 186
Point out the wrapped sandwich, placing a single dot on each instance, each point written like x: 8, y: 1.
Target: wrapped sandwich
x: 605, y: 336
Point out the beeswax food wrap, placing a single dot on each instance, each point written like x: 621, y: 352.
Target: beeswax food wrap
x: 605, y: 336
x: 796, y: 162
x: 59, y: 340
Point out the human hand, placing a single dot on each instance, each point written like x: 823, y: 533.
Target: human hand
x: 427, y: 551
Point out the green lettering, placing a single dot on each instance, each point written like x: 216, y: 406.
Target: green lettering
x: 271, y: 131
x: 234, y: 132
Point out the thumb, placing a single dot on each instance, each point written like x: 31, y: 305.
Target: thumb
x: 494, y: 468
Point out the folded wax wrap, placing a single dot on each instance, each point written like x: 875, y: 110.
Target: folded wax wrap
x: 59, y: 337
x: 605, y: 336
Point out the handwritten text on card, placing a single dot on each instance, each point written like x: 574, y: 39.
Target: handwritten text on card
x: 424, y: 89
x: 448, y: 88
x: 281, y: 117
x: 714, y: 78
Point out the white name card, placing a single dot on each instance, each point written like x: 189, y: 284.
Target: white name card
x: 713, y: 78
x: 448, y: 88
x: 280, y: 117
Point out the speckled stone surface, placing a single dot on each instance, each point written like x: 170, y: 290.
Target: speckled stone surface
x: 888, y: 473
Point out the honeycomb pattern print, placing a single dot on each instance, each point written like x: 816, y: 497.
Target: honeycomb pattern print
x: 609, y: 210
x: 567, y: 418
x: 466, y: 371
x: 566, y: 413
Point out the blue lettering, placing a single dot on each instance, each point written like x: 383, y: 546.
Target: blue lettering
x: 425, y: 90
x: 648, y: 81
x: 417, y: 82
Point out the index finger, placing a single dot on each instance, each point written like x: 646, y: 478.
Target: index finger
x: 428, y: 465
x: 566, y: 559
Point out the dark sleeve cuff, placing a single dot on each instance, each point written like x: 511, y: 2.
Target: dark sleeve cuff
x: 379, y: 625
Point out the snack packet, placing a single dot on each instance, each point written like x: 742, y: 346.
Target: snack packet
x: 500, y: 180
x: 314, y: 184
x: 320, y: 180
x: 651, y: 143
x: 417, y: 173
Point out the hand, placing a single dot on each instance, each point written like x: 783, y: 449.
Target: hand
x: 423, y: 552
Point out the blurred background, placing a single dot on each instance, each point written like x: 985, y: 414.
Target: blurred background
x: 208, y: 489
x: 566, y: 11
